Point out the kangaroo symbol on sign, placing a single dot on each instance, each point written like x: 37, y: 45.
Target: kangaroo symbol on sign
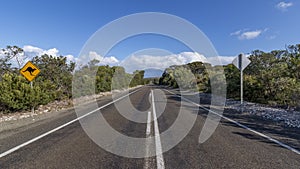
x: 30, y: 70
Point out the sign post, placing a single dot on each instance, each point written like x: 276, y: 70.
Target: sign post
x: 241, y: 62
x: 30, y: 71
x: 31, y: 87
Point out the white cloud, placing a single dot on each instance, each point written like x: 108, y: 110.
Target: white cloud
x: 32, y: 51
x: 236, y: 33
x: 71, y: 58
x: 85, y: 59
x: 142, y: 62
x: 52, y: 52
x: 103, y: 60
x: 1, y: 53
x: 284, y: 5
x: 247, y: 35
x: 223, y: 60
x: 250, y: 35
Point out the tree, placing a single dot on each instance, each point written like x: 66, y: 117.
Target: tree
x: 137, y: 78
x: 17, y: 94
x: 232, y: 75
x: 14, y: 52
x: 104, y: 78
x: 120, y: 79
x: 273, y: 80
x: 168, y: 78
x: 57, y: 71
x: 8, y: 54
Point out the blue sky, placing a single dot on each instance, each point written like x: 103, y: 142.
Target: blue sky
x: 233, y: 26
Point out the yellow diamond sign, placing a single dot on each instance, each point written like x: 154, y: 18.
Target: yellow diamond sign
x: 30, y: 71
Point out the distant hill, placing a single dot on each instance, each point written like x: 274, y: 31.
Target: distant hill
x: 153, y: 73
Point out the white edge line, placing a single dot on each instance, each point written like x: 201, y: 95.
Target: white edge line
x: 159, y: 155
x: 243, y: 126
x: 61, y: 126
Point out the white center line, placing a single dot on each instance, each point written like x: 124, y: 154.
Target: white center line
x: 241, y: 125
x: 61, y: 126
x: 159, y: 155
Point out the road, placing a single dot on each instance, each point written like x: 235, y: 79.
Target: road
x: 230, y: 146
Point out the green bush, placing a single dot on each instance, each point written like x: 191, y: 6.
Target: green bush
x: 17, y: 94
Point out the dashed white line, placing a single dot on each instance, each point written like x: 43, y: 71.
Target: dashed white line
x: 159, y: 154
x: 148, y: 141
x: 61, y: 126
x: 243, y: 126
x: 148, y: 129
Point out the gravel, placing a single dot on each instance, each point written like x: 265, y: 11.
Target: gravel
x: 288, y: 117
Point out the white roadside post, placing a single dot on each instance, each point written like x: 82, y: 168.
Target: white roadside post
x: 241, y: 62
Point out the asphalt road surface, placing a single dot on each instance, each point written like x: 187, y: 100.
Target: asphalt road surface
x: 232, y: 145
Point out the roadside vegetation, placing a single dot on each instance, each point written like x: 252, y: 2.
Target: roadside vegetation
x: 272, y: 78
x: 54, y: 83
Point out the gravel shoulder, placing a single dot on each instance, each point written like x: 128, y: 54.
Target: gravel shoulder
x: 277, y: 123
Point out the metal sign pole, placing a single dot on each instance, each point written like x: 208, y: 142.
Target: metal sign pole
x: 31, y: 86
x: 241, y: 71
x: 241, y: 62
x: 242, y: 87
